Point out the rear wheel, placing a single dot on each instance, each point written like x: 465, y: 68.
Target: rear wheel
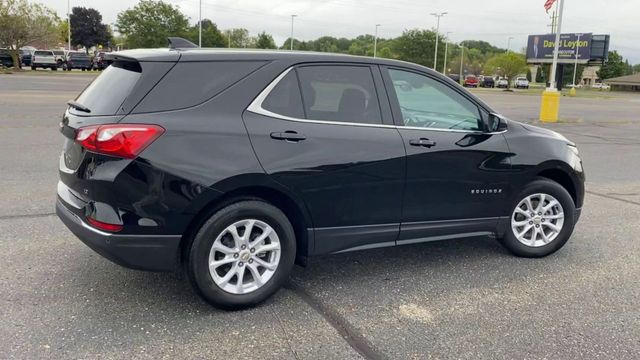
x: 542, y: 220
x: 242, y: 254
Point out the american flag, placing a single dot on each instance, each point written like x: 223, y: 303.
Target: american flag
x: 548, y: 4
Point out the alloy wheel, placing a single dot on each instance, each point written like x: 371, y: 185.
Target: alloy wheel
x: 537, y: 220
x: 244, y: 256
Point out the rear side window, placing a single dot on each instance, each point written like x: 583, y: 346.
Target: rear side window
x: 285, y: 98
x: 43, y: 53
x: 339, y: 93
x: 108, y: 91
x: 192, y: 83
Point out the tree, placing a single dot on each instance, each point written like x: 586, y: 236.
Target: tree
x: 636, y: 68
x: 265, y: 41
x: 150, y: 23
x: 509, y: 65
x: 418, y: 46
x: 23, y: 23
x: 211, y: 35
x: 87, y: 29
x: 239, y: 38
x: 529, y: 75
x: 482, y: 46
x: 613, y: 67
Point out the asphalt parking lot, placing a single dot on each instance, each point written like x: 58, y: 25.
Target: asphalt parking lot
x: 467, y: 298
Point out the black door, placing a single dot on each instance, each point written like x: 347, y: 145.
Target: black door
x: 321, y: 131
x: 456, y: 171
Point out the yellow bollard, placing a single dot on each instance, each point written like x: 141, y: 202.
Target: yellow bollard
x: 550, y: 106
x: 572, y: 92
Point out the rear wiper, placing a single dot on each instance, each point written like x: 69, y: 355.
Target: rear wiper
x: 76, y: 105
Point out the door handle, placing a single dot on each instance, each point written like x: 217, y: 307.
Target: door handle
x: 424, y: 142
x: 288, y: 136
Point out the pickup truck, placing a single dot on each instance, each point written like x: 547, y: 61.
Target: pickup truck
x: 78, y: 60
x: 44, y: 59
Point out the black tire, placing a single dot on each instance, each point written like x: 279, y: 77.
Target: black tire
x: 546, y: 186
x: 33, y: 67
x: 198, y: 256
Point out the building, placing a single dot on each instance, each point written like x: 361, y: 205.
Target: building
x: 590, y: 75
x: 625, y: 83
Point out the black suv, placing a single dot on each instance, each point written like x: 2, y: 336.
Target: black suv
x: 235, y: 164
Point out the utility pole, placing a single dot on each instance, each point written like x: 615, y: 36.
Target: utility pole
x: 200, y: 26
x: 435, y: 55
x: 575, y: 66
x: 375, y: 42
x: 446, y: 51
x: 509, y: 43
x: 229, y: 38
x: 292, y: 17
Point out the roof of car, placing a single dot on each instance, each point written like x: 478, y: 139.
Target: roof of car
x: 213, y: 54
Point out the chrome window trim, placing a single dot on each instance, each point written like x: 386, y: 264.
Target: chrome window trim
x: 256, y: 108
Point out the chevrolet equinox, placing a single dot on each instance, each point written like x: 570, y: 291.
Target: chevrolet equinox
x: 234, y: 165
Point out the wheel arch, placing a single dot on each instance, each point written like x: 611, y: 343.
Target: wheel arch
x: 564, y: 178
x: 294, y: 210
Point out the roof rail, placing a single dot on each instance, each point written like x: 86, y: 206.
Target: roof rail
x: 180, y: 43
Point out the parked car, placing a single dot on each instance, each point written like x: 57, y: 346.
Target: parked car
x: 234, y: 164
x: 100, y: 62
x: 600, y: 86
x: 61, y: 57
x: 6, y: 60
x: 502, y: 83
x: 488, y: 82
x: 78, y: 60
x: 471, y: 81
x: 521, y: 83
x: 454, y: 77
x: 25, y: 57
x: 45, y: 59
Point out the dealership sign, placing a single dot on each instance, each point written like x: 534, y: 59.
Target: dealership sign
x: 540, y: 48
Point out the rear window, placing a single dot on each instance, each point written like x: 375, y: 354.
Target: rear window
x: 107, y: 92
x: 43, y: 53
x: 82, y: 56
x: 192, y: 83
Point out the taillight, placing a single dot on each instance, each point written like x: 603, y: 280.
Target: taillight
x: 123, y: 140
x: 103, y: 225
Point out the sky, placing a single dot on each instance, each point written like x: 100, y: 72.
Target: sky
x: 494, y: 21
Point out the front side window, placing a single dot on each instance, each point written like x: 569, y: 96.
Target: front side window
x: 427, y: 103
x: 339, y: 93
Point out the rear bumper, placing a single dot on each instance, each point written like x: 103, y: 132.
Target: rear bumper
x: 140, y: 252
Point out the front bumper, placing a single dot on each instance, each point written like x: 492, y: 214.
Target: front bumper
x: 140, y: 252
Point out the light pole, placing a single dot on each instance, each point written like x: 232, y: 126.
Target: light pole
x: 461, y: 62
x: 575, y: 66
x: 509, y: 43
x: 435, y: 55
x: 292, y: 17
x: 446, y: 51
x: 375, y: 42
x: 69, y: 23
x: 200, y: 25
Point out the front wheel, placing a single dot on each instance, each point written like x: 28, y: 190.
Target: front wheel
x: 242, y: 254
x: 542, y: 220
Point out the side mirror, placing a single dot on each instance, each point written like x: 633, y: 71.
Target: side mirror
x: 496, y: 123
